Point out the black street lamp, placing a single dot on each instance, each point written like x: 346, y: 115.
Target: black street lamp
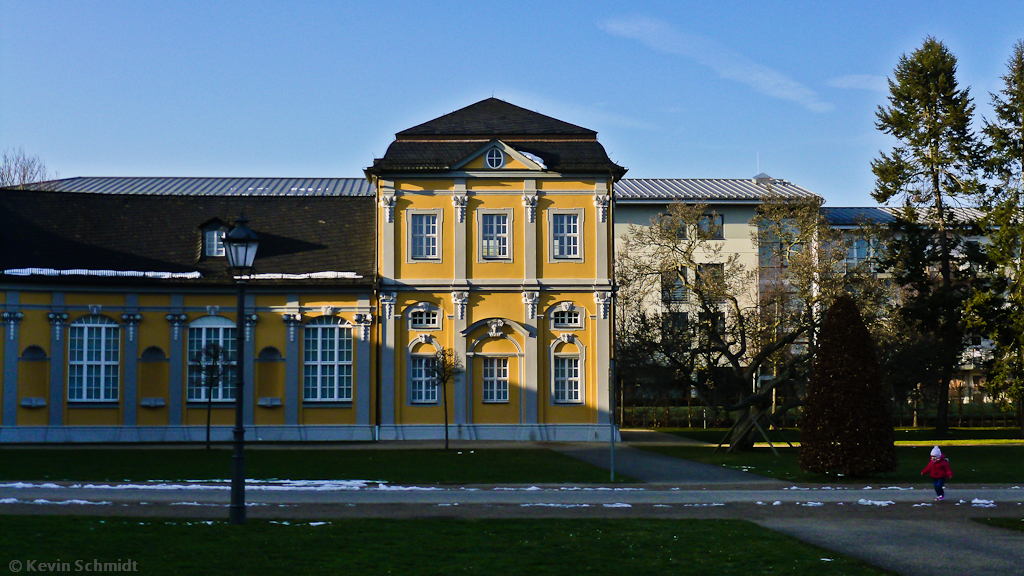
x: 240, y: 244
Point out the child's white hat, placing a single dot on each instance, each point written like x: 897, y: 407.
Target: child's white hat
x: 936, y: 452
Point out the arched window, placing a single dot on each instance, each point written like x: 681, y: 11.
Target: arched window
x: 327, y: 361
x: 212, y: 359
x: 94, y: 359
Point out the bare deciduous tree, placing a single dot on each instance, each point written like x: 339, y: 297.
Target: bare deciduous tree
x: 18, y: 169
x: 446, y: 365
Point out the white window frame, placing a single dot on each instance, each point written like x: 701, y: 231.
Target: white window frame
x: 566, y: 386
x: 327, y: 361
x: 213, y: 242
x: 560, y: 319
x: 423, y: 386
x: 423, y: 316
x: 578, y: 237
x: 494, y: 158
x: 94, y: 360
x: 566, y: 318
x: 494, y: 384
x: 482, y: 235
x: 416, y: 254
x: 217, y: 330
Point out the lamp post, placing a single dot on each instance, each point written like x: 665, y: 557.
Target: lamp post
x: 240, y: 244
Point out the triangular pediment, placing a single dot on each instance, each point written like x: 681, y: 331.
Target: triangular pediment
x: 497, y: 156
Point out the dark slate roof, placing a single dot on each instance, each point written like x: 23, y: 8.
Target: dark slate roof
x: 641, y: 190
x: 493, y: 117
x: 162, y: 234
x: 438, y: 145
x: 212, y: 186
x: 558, y: 156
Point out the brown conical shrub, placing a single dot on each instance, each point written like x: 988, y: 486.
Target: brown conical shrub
x: 846, y: 427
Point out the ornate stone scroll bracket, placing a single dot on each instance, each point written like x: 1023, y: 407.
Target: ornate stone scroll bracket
x: 388, y: 204
x: 601, y: 202
x: 364, y: 322
x: 459, y: 202
x: 292, y: 321
x: 530, y: 204
x: 604, y: 302
x: 131, y: 322
x: 530, y: 299
x: 176, y: 321
x: 460, y: 299
x: 57, y: 319
x: 387, y: 304
x: 12, y: 319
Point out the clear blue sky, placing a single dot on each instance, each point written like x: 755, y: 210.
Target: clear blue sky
x: 318, y: 89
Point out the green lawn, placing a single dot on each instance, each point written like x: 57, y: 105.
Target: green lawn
x: 1009, y: 523
x: 393, y: 466
x: 421, y: 547
x: 908, y: 435
x: 971, y: 464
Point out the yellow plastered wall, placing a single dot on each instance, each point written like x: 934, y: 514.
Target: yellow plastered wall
x: 34, y: 375
x: 443, y: 268
x: 585, y: 269
x: 154, y: 376
x: 406, y: 413
x: 483, y: 305
x: 484, y: 184
x: 153, y: 383
x: 585, y: 412
x: 420, y: 185
x: 500, y: 268
x: 90, y: 299
x: 504, y: 412
x: 33, y: 381
x: 582, y: 185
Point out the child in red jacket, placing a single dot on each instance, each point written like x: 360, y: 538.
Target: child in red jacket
x: 939, y: 470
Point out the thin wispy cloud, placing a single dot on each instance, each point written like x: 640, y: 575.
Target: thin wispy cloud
x: 860, y: 82
x: 727, y: 63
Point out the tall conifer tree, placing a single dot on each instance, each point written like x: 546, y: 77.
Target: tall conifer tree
x: 999, y: 308
x: 933, y: 165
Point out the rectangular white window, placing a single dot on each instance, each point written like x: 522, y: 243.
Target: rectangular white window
x: 565, y: 318
x: 495, y: 385
x: 327, y: 363
x: 93, y: 362
x: 567, y: 380
x: 214, y: 241
x: 565, y: 235
x: 673, y: 287
x: 422, y: 385
x: 494, y: 236
x: 424, y: 236
x: 423, y: 319
x: 211, y: 364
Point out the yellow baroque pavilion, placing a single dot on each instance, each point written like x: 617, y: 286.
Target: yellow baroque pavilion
x: 487, y: 231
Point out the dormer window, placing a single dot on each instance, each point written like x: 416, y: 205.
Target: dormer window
x: 214, y: 242
x: 494, y: 158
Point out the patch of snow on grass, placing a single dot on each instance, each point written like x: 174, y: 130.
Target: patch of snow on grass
x: 979, y: 503
x: 864, y: 502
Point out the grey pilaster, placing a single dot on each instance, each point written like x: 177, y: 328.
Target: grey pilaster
x: 388, y: 329
x: 530, y: 377
x: 292, y: 396
x: 602, y: 207
x: 530, y: 230
x: 364, y: 321
x: 58, y: 335
x: 386, y: 199
x: 603, y: 327
x: 176, y: 381
x: 461, y: 395
x: 130, y: 320
x: 11, y: 319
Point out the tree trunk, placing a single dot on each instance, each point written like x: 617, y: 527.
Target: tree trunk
x: 742, y: 439
x: 444, y: 396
